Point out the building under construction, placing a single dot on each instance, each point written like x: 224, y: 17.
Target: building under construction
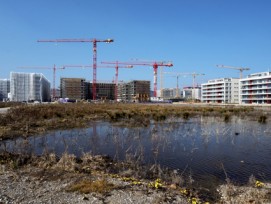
x: 73, y: 88
x: 29, y: 87
x: 134, y: 91
x: 79, y: 89
x: 104, y: 91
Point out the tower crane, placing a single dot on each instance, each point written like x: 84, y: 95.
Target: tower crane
x: 177, y: 75
x: 194, y: 77
x: 94, y: 41
x: 180, y: 74
x: 241, y: 69
x: 54, y: 68
x: 154, y: 64
x: 116, y: 73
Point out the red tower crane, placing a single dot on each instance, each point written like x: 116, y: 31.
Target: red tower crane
x: 116, y: 74
x: 54, y: 74
x: 154, y: 64
x: 94, y: 41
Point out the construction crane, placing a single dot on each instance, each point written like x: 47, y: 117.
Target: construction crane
x: 94, y: 41
x: 194, y: 77
x: 177, y: 75
x: 241, y: 69
x: 180, y: 74
x: 54, y: 68
x: 154, y: 64
x: 116, y: 73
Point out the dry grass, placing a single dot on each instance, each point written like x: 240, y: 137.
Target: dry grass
x: 101, y: 186
x: 30, y: 120
x: 10, y: 104
x: 244, y: 194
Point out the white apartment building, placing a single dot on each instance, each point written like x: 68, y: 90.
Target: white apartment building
x: 225, y: 90
x: 29, y: 87
x: 168, y: 93
x: 256, y: 89
x: 192, y: 92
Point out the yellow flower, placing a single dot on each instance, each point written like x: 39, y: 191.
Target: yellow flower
x: 184, y: 191
x: 194, y: 201
x: 136, y: 183
x: 259, y: 184
x: 158, y: 183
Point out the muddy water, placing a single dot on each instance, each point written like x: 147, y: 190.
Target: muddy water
x: 203, y: 148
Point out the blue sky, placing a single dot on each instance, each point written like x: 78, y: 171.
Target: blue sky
x: 195, y: 35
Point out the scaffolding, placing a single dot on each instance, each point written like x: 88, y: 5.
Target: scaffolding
x: 29, y: 87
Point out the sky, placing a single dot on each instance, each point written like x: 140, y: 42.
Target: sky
x: 195, y: 35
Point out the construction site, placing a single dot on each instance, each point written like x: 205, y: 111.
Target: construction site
x: 79, y: 89
x: 131, y: 91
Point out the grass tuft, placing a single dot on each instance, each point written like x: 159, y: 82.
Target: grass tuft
x: 86, y: 186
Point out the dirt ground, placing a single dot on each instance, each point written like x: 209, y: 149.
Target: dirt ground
x: 47, y: 181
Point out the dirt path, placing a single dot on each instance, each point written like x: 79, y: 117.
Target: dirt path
x: 3, y: 110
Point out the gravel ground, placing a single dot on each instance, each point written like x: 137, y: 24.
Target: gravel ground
x: 33, y: 185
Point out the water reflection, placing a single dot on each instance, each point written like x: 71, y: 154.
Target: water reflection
x: 199, y: 147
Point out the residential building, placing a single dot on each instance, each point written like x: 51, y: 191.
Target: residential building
x: 192, y: 93
x: 169, y: 93
x: 134, y: 91
x: 224, y: 90
x: 4, y: 89
x: 256, y: 89
x: 29, y: 87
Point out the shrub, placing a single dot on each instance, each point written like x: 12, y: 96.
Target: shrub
x: 186, y: 115
x: 262, y: 119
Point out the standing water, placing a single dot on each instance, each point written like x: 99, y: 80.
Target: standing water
x: 203, y: 148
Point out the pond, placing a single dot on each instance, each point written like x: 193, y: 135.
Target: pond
x: 206, y: 149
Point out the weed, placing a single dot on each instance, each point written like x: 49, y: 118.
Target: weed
x: 67, y: 162
x: 226, y: 117
x: 186, y: 115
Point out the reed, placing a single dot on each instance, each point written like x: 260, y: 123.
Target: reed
x: 44, y: 117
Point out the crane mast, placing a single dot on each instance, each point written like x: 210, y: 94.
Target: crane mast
x: 94, y: 41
